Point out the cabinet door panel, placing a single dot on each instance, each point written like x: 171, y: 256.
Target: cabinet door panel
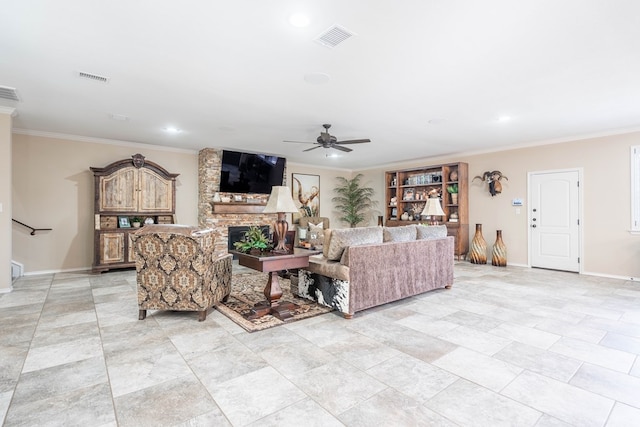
x: 156, y: 193
x: 117, y: 191
x: 111, y: 248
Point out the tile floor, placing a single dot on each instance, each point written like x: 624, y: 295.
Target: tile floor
x: 506, y: 346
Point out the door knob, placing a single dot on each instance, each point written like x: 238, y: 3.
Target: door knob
x: 533, y: 226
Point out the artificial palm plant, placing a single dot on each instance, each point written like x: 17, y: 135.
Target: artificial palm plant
x: 353, y: 200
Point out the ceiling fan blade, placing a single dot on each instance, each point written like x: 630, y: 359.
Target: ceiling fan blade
x: 312, y: 148
x: 354, y: 141
x: 337, y: 147
x: 300, y: 142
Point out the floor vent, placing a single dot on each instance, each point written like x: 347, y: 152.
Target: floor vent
x: 8, y: 93
x: 93, y: 77
x: 17, y: 270
x: 334, y: 36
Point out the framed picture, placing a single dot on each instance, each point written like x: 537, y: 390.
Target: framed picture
x: 306, y: 194
x: 123, y: 222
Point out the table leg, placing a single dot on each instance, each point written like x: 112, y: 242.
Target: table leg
x: 273, y: 293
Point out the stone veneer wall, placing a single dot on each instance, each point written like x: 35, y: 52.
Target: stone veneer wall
x: 209, y: 166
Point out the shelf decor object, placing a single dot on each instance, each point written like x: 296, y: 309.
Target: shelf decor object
x: 478, y: 252
x: 280, y: 202
x: 499, y: 254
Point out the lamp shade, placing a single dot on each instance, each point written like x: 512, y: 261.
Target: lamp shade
x: 433, y: 208
x: 280, y: 200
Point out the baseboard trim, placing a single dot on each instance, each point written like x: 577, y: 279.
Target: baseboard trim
x: 68, y: 270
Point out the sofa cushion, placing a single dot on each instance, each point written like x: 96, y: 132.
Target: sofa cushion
x: 426, y: 232
x: 320, y: 265
x: 327, y: 239
x: 404, y: 233
x: 344, y: 237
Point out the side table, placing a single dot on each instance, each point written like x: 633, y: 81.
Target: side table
x: 272, y: 263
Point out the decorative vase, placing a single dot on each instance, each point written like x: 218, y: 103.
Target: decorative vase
x: 405, y: 216
x: 499, y: 257
x: 454, y: 198
x: 453, y: 176
x: 478, y: 252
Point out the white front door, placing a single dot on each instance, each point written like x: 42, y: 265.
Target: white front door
x: 554, y: 220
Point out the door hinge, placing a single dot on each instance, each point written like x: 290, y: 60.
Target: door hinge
x: 578, y: 260
x: 577, y: 183
x: 578, y: 221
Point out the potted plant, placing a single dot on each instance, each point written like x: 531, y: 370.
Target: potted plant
x: 136, y: 221
x: 353, y: 201
x: 254, y: 241
x: 453, y: 190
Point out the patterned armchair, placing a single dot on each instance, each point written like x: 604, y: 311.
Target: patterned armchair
x: 177, y: 269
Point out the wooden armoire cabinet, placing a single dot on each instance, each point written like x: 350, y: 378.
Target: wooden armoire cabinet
x: 124, y: 190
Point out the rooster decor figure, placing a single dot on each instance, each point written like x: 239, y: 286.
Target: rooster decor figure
x: 493, y: 178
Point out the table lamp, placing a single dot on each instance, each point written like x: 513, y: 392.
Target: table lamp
x: 280, y: 202
x: 433, y: 208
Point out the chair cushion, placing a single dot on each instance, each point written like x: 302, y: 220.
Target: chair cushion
x: 404, y: 233
x: 342, y: 238
x: 431, y: 231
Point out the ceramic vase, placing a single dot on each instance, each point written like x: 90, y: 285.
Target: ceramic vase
x: 499, y: 256
x: 478, y: 252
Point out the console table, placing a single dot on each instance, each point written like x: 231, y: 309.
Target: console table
x: 272, y: 263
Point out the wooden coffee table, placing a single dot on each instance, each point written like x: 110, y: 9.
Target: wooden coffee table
x: 272, y: 263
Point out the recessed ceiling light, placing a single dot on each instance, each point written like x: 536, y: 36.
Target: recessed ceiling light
x: 118, y: 117
x: 171, y: 129
x: 299, y: 20
x: 332, y: 155
x: 317, y: 78
x: 436, y: 121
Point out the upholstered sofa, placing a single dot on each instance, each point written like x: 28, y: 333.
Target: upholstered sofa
x: 177, y: 269
x: 366, y: 267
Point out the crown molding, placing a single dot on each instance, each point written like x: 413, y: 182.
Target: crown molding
x: 8, y: 110
x: 92, y: 140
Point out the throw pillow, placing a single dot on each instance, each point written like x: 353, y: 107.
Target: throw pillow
x: 405, y: 233
x: 431, y: 232
x: 342, y: 238
x: 316, y: 230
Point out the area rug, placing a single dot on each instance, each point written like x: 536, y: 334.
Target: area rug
x: 247, y: 290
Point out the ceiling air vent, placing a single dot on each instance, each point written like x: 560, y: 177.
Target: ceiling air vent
x: 334, y: 36
x: 8, y: 93
x: 93, y: 77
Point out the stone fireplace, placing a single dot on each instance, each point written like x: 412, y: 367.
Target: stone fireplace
x: 221, y: 216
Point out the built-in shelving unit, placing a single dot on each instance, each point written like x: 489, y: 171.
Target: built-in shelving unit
x: 407, y: 191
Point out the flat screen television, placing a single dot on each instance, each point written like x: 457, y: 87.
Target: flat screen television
x: 250, y: 173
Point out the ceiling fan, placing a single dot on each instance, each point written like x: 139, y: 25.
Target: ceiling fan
x: 325, y: 140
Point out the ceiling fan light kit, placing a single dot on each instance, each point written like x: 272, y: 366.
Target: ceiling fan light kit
x: 326, y: 140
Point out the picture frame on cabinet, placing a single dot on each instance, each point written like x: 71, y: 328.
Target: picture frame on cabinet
x: 123, y: 222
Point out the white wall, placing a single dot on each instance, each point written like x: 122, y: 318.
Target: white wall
x: 54, y: 188
x: 5, y: 198
x: 609, y: 248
